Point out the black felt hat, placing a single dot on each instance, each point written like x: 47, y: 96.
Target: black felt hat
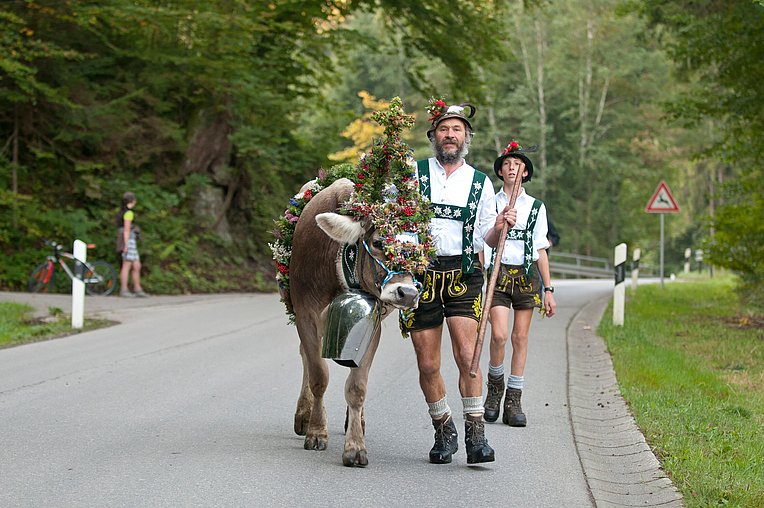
x: 514, y: 149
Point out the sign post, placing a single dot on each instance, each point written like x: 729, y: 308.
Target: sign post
x: 662, y: 202
x: 687, y: 254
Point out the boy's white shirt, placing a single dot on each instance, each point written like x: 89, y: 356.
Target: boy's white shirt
x: 514, y: 250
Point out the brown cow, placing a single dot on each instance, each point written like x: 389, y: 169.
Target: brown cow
x: 315, y: 280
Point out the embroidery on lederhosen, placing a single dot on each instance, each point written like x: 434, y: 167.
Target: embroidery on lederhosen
x: 526, y: 236
x: 349, y: 253
x: 465, y: 214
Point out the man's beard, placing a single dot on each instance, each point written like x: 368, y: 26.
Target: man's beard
x: 453, y: 156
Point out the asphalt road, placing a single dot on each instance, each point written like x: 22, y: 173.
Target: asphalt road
x: 189, y: 401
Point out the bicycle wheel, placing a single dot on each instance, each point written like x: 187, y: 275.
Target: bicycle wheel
x: 40, y: 278
x: 100, y: 278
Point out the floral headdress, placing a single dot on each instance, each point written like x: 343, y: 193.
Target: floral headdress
x: 386, y: 195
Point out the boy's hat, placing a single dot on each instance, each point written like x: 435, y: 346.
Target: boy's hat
x: 440, y: 111
x: 514, y: 149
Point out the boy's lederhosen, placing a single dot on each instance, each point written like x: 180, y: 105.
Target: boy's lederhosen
x: 452, y: 285
x: 517, y: 286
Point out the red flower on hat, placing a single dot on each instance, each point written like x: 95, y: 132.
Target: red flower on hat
x: 511, y: 147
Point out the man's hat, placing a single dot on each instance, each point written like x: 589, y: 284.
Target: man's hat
x: 440, y: 111
x: 514, y: 149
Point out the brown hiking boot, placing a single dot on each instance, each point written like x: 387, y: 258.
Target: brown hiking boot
x: 493, y: 398
x: 446, y: 440
x: 478, y: 450
x: 513, y: 411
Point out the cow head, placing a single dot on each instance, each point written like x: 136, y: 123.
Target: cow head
x: 399, y: 289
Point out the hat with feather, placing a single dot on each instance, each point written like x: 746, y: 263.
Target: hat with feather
x: 514, y: 149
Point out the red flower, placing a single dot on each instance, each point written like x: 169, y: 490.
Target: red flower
x: 408, y: 211
x: 308, y: 194
x: 440, y: 103
x: 360, y: 176
x: 513, y: 145
x: 283, y: 268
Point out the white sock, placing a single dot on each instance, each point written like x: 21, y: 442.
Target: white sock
x: 496, y: 371
x: 438, y: 409
x: 515, y: 382
x: 473, y: 406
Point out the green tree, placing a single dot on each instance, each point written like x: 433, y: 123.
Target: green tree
x: 718, y: 49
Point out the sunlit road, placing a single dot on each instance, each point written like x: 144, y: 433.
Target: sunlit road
x: 189, y: 402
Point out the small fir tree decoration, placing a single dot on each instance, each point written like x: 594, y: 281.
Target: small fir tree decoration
x: 386, y: 195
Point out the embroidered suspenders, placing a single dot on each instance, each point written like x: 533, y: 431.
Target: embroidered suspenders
x: 465, y: 214
x: 526, y: 235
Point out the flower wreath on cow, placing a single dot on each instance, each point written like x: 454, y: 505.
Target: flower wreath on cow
x: 386, y: 195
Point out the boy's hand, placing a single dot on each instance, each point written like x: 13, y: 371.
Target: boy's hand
x: 507, y: 215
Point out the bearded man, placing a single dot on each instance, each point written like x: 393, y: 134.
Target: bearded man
x: 465, y: 218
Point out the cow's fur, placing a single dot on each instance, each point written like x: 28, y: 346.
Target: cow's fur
x: 314, y: 278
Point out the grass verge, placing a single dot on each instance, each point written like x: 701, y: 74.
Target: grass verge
x: 18, y: 327
x: 690, y: 364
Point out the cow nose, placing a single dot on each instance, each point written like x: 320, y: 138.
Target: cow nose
x: 407, y: 293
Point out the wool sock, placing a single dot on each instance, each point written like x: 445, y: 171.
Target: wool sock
x: 495, y: 372
x: 473, y: 406
x: 438, y: 409
x: 515, y: 382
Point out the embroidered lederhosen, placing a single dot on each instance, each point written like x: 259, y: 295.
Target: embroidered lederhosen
x: 520, y: 275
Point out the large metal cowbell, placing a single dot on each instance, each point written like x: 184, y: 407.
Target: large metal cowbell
x: 352, y: 319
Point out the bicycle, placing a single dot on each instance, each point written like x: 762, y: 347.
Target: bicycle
x: 100, y: 277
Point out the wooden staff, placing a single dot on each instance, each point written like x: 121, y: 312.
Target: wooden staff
x: 494, y: 275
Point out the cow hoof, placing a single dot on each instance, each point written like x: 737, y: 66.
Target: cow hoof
x: 301, y: 424
x: 355, y: 458
x: 315, y: 443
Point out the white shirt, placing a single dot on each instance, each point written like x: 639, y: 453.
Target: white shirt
x: 455, y: 190
x: 514, y: 250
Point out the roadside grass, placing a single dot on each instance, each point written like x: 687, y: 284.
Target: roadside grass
x: 690, y: 364
x: 17, y: 326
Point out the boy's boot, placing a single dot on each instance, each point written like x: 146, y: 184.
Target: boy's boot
x: 446, y: 440
x: 492, y: 402
x: 513, y: 411
x: 477, y: 446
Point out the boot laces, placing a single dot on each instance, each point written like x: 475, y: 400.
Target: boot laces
x: 476, y: 432
x: 443, y: 433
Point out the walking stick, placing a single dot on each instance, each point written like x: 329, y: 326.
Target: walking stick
x: 492, y: 279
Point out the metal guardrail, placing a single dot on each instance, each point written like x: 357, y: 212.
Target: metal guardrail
x: 566, y: 264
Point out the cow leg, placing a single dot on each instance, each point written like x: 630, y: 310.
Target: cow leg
x: 317, y: 435
x: 305, y: 401
x: 354, y: 453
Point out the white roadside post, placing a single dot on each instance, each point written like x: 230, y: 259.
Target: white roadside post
x: 687, y: 254
x: 619, y: 293
x: 80, y: 251
x: 635, y: 268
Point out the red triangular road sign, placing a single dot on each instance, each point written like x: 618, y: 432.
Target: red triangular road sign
x: 662, y: 201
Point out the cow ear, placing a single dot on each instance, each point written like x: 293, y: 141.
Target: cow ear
x: 340, y: 228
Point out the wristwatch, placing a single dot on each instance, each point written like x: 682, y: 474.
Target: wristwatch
x: 549, y: 289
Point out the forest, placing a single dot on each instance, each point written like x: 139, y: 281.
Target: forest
x: 215, y: 113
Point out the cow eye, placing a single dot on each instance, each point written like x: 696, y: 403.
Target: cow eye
x: 377, y: 243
